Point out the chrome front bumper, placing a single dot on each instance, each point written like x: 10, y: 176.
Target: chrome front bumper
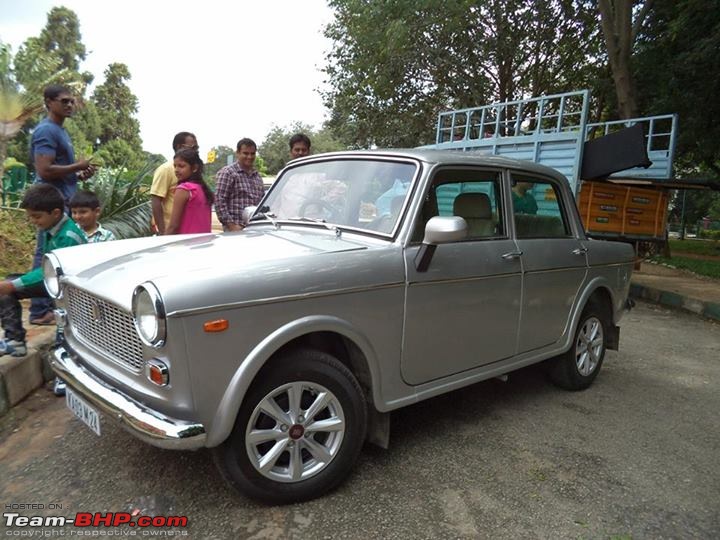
x: 144, y: 423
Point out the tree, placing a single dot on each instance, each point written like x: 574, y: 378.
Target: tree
x: 52, y: 57
x: 62, y: 36
x: 714, y: 209
x: 676, y: 58
x: 85, y: 128
x: 116, y: 106
x: 690, y: 206
x: 60, y: 39
x: 15, y: 107
x: 221, y: 157
x: 275, y: 148
x: 397, y: 63
x: 18, y: 104
x: 621, y: 31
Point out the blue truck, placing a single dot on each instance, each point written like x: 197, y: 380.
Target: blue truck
x: 620, y: 171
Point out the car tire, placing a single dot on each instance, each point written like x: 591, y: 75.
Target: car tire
x: 577, y: 368
x: 277, y: 453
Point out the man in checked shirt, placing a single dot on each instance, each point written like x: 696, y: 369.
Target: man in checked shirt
x: 237, y: 186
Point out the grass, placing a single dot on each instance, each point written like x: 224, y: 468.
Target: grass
x: 697, y: 247
x: 702, y: 267
x: 17, y: 242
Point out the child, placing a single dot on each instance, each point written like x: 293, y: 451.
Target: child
x: 85, y: 208
x: 45, y: 208
x: 193, y: 198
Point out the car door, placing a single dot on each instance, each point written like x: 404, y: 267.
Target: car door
x: 553, y: 259
x: 463, y: 312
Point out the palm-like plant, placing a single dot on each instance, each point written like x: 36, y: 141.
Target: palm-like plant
x: 17, y: 105
x: 15, y: 109
x: 124, y: 198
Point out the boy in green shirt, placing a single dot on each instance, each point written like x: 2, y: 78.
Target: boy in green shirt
x: 45, y: 208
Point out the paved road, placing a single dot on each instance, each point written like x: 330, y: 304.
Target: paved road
x: 636, y: 456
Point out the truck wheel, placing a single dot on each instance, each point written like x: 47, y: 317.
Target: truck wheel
x: 298, y: 432
x: 577, y: 368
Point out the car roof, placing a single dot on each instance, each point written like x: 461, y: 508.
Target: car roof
x: 442, y: 157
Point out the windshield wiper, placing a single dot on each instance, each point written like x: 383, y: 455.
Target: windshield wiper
x: 266, y: 215
x: 320, y: 221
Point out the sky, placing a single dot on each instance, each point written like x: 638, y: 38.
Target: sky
x: 223, y: 70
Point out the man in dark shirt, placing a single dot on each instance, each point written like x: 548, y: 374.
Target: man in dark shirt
x: 299, y: 145
x: 238, y: 186
x: 52, y: 154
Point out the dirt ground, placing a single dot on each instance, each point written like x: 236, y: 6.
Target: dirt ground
x: 633, y: 457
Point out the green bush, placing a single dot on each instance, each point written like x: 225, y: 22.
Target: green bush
x: 709, y: 268
x: 696, y: 246
x: 709, y: 234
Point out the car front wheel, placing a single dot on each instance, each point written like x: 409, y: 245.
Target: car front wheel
x: 577, y: 368
x: 298, y: 432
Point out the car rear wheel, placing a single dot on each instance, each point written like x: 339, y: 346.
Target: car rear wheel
x: 577, y: 368
x: 298, y: 432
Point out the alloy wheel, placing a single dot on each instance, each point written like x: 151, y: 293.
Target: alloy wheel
x: 295, y: 431
x: 589, y: 346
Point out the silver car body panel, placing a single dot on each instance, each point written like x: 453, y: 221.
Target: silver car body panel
x: 473, y: 315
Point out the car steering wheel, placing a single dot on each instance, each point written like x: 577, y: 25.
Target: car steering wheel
x: 333, y: 212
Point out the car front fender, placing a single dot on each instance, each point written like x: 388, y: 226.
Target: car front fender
x: 234, y: 394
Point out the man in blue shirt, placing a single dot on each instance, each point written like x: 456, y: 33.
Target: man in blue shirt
x: 51, y: 152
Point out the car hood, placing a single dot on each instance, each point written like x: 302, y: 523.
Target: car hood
x: 112, y: 270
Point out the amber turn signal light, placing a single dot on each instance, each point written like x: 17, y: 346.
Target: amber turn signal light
x: 219, y: 325
x: 157, y: 371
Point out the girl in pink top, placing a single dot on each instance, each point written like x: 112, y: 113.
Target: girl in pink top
x: 193, y: 198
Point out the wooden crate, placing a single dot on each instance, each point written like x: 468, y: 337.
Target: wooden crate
x: 623, y: 210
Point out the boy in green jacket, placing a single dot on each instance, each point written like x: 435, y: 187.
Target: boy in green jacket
x: 45, y: 208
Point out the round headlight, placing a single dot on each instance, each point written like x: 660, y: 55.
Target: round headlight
x: 149, y: 315
x: 51, y: 275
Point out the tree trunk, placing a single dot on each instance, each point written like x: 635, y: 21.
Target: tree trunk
x: 620, y: 32
x: 3, y: 156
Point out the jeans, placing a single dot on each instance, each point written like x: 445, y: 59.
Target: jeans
x: 41, y: 305
x: 11, y: 310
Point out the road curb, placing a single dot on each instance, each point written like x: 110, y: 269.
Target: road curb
x: 21, y: 376
x: 709, y: 310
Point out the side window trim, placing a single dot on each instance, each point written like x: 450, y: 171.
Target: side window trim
x: 497, y: 176
x: 568, y: 225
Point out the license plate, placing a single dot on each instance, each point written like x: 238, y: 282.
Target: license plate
x: 82, y: 410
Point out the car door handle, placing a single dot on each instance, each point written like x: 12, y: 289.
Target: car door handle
x: 512, y: 255
x: 580, y: 251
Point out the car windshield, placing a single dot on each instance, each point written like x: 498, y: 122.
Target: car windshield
x: 357, y: 193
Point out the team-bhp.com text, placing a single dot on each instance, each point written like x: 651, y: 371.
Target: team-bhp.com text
x: 97, y: 519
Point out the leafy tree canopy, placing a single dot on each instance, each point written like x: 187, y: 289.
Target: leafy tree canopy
x: 275, y: 148
x: 107, y: 119
x: 677, y: 67
x: 61, y: 35
x: 221, y: 160
x: 60, y: 40
x: 397, y: 63
x: 117, y: 106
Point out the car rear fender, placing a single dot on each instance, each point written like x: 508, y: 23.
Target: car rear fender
x: 598, y: 289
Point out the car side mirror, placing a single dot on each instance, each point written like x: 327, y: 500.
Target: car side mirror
x: 439, y: 230
x: 444, y: 230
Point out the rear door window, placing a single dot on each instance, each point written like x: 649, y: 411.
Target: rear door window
x: 537, y: 208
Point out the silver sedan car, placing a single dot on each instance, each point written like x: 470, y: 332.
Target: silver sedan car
x: 364, y: 282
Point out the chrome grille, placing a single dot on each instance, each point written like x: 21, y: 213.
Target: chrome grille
x: 104, y: 327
